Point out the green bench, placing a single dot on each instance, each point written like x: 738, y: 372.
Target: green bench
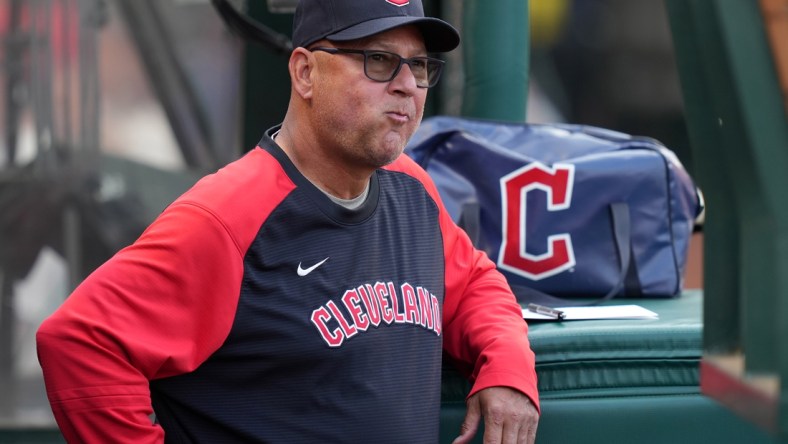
x: 620, y: 381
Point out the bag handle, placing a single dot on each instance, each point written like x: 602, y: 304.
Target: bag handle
x: 619, y: 214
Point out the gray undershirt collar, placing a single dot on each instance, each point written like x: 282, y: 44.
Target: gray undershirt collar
x: 350, y: 204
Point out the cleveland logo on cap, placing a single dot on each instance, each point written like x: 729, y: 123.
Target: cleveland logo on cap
x: 398, y: 2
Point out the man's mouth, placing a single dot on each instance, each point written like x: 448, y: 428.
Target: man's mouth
x: 399, y: 116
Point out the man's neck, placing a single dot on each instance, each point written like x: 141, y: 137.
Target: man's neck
x: 324, y: 171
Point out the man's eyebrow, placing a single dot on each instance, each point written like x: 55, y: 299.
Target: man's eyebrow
x: 394, y: 51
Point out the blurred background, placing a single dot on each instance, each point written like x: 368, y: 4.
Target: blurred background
x: 109, y: 109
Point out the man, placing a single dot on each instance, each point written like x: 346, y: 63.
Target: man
x: 306, y: 292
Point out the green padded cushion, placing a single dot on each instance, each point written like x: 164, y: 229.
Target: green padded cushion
x: 604, y: 358
x: 581, y: 359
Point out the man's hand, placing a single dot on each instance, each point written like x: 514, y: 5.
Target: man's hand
x: 509, y: 417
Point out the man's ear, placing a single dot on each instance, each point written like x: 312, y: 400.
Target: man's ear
x: 301, y: 67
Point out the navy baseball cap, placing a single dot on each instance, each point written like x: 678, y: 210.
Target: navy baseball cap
x: 342, y: 20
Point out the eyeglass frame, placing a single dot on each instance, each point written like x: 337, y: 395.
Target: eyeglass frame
x: 402, y: 61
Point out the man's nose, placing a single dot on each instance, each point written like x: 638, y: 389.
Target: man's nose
x: 405, y: 79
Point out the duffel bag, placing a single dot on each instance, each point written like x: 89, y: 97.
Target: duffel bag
x: 565, y: 210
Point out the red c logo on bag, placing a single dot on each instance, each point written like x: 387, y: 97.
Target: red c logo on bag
x: 557, y: 182
x: 398, y: 2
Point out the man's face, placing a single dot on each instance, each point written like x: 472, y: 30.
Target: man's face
x: 364, y: 122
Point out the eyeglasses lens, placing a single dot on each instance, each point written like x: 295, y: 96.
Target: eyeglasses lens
x: 383, y: 66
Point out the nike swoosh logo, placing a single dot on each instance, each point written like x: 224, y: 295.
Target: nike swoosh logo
x: 306, y: 271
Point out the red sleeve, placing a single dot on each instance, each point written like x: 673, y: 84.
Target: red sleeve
x: 483, y: 326
x: 156, y: 309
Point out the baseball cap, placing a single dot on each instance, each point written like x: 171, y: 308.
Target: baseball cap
x: 342, y: 20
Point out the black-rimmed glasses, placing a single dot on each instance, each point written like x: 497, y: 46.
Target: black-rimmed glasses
x: 383, y: 66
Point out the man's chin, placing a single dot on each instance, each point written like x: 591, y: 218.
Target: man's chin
x: 386, y: 160
x: 386, y: 156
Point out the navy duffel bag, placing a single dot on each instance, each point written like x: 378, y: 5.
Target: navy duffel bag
x: 565, y: 210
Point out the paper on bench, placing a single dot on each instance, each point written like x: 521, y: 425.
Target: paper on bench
x: 596, y: 312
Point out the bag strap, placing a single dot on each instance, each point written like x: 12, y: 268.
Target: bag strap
x: 470, y: 221
x: 619, y: 213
